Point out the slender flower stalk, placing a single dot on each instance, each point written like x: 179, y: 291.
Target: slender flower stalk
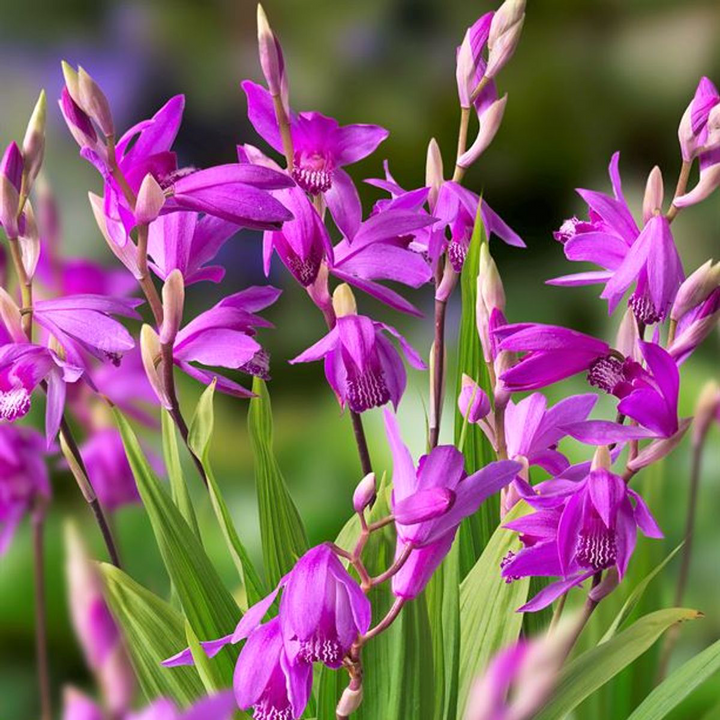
x: 41, y: 640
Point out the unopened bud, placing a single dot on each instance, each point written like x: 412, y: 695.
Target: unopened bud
x: 509, y: 14
x: 72, y: 81
x: 11, y: 170
x: 447, y: 283
x: 271, y: 59
x: 29, y: 240
x: 609, y: 582
x: 695, y: 289
x: 473, y: 402
x: 433, y: 172
x: 602, y: 459
x: 11, y: 317
x: 77, y: 121
x: 343, y: 301
x: 503, y: 362
x: 150, y: 200
x: 94, y: 102
x: 126, y: 253
x: 504, y: 35
x: 151, y: 357
x: 490, y: 283
x: 34, y: 141
x: 350, y: 701
x: 708, y: 183
x: 654, y: 194
x: 707, y: 411
x: 465, y: 70
x: 490, y: 122
x: 658, y: 449
x: 365, y: 492
x: 173, y: 301
x: 628, y: 335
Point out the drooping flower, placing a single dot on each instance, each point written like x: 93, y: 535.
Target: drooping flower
x: 23, y: 478
x: 442, y: 473
x: 361, y: 365
x: 322, y: 147
x: 578, y: 529
x: 95, y: 628
x: 627, y: 255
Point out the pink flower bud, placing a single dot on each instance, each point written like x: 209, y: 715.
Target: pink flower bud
x: 173, y: 301
x: 654, y: 193
x: 11, y: 317
x: 658, y: 449
x: 696, y: 289
x: 470, y: 65
x: 707, y: 411
x: 610, y: 581
x: 504, y: 35
x: 151, y: 357
x: 433, y: 172
x: 11, y: 170
x: 709, y: 182
x: 447, y: 283
x: 350, y: 701
x: 489, y: 281
x: 626, y: 341
x: 509, y: 14
x: 29, y: 240
x: 127, y: 253
x: 364, y: 493
x: 94, y: 103
x: 271, y: 57
x: 473, y: 402
x: 34, y: 141
x: 489, y: 125
x: 150, y: 200
x: 77, y: 121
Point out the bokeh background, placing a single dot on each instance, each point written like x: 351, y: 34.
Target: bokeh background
x: 589, y: 78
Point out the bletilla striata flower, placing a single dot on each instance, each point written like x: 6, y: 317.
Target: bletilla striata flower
x: 362, y: 366
x: 23, y: 478
x: 439, y: 486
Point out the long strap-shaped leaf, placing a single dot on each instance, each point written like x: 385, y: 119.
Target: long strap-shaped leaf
x: 584, y: 675
x: 281, y: 529
x: 208, y: 605
x: 488, y: 617
x: 153, y: 631
x: 670, y: 693
x: 199, y: 439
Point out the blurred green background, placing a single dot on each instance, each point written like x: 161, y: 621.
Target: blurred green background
x: 589, y: 78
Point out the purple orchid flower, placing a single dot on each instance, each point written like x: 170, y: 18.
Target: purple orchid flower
x: 578, y: 529
x: 234, y: 192
x: 694, y: 326
x: 361, y: 365
x: 223, y: 337
x: 699, y: 129
x: 611, y: 239
x: 322, y: 147
x: 441, y: 473
x: 23, y: 478
x: 186, y: 241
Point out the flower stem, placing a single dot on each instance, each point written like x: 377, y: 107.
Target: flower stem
x: 146, y: 283
x: 682, y: 184
x: 395, y: 568
x: 585, y: 615
x: 672, y: 329
x: 25, y: 286
x: 672, y: 636
x: 284, y: 126
x: 558, y: 612
x: 43, y: 665
x: 438, y: 373
x: 361, y: 441
x: 386, y: 622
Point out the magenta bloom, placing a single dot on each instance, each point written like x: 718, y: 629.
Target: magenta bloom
x: 186, y: 241
x: 322, y: 148
x: 611, y: 239
x: 578, y: 529
x: 439, y: 474
x: 23, y: 477
x: 223, y: 337
x: 361, y: 365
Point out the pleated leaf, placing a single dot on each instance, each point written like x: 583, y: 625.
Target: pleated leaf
x: 282, y: 533
x: 153, y: 631
x: 488, y: 617
x: 591, y: 670
x: 199, y: 439
x: 206, y: 602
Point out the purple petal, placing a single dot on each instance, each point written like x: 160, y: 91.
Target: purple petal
x: 552, y: 592
x: 614, y: 212
x: 644, y: 518
x: 344, y: 204
x: 261, y: 114
x: 354, y: 142
x: 606, y: 432
x: 591, y: 277
x: 404, y: 476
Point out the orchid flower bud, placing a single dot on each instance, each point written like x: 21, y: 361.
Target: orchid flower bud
x: 628, y: 335
x: 490, y: 282
x: 447, y: 283
x: 695, y: 289
x: 707, y: 410
x: 11, y: 172
x: 658, y: 449
x: 77, y: 121
x: 350, y: 701
x: 693, y: 129
x: 504, y: 35
x: 343, y: 301
x: 709, y: 182
x: 470, y: 65
x: 150, y: 200
x: 473, y: 401
x: 700, y: 323
x: 503, y: 362
x: 94, y: 102
x: 72, y: 81
x: 173, y: 301
x: 602, y: 459
x: 127, y: 253
x: 34, y: 141
x: 489, y: 125
x: 433, y: 172
x: 609, y: 582
x: 151, y: 357
x: 364, y: 493
x: 271, y: 57
x: 11, y: 317
x: 29, y: 240
x: 654, y: 194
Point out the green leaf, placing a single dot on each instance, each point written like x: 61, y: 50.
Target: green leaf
x: 488, y: 617
x: 635, y: 596
x: 208, y: 605
x: 178, y: 488
x: 153, y: 631
x: 672, y: 691
x: 199, y: 439
x: 476, y: 530
x: 281, y: 529
x: 584, y: 675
